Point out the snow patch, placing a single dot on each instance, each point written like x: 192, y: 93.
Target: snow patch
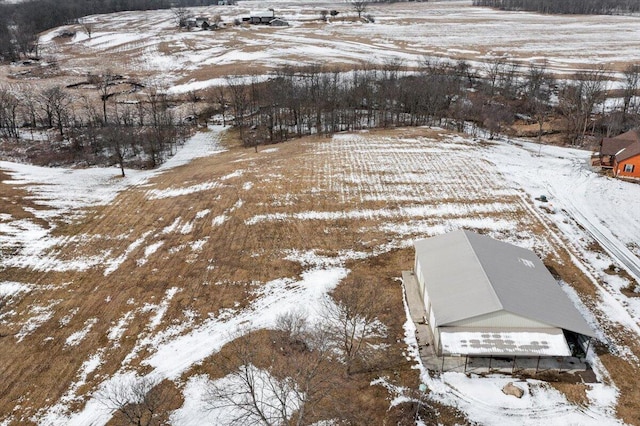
x: 42, y: 315
x: 10, y: 289
x: 114, y: 264
x: 161, y: 309
x: 75, y: 338
x: 115, y: 332
x: 148, y: 251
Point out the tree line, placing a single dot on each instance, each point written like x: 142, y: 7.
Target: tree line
x: 578, y: 7
x: 115, y: 121
x: 57, y: 125
x: 316, y: 100
x: 20, y: 23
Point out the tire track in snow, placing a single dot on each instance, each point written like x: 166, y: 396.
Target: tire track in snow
x: 612, y: 245
x: 552, y: 411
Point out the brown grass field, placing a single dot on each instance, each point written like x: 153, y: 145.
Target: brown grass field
x: 369, y: 188
x: 358, y: 200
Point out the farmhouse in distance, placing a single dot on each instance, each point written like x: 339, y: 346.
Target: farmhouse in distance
x: 265, y: 17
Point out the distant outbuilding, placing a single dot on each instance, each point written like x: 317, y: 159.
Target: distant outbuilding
x: 262, y: 16
x: 484, y: 298
x: 265, y: 17
x: 278, y: 22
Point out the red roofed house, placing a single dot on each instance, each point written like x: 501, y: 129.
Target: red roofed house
x: 610, y: 147
x: 627, y: 162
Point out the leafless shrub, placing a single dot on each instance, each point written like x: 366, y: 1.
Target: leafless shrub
x: 87, y: 27
x: 247, y: 394
x: 180, y: 16
x: 359, y: 6
x: 293, y: 324
x: 137, y: 400
x: 286, y: 390
x: 351, y: 324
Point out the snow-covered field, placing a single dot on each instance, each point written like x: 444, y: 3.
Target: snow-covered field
x: 392, y: 187
x: 146, y: 45
x: 395, y: 181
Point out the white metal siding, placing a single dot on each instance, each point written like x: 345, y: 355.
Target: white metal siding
x: 500, y: 319
x: 427, y: 302
x: 420, y: 278
x: 432, y: 320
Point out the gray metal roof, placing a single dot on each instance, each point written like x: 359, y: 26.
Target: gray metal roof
x: 468, y: 275
x: 628, y: 152
x: 611, y: 146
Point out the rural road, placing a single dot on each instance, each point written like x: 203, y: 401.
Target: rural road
x: 607, y: 240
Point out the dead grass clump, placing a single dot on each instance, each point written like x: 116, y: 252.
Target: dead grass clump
x: 562, y: 267
x: 595, y: 247
x: 430, y: 412
x: 631, y: 290
x: 576, y: 393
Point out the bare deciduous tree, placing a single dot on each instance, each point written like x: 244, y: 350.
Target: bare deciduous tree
x: 8, y: 114
x: 293, y: 324
x: 104, y: 83
x: 577, y: 101
x: 493, y: 69
x: 137, y: 400
x: 359, y: 6
x: 310, y: 368
x: 631, y: 104
x: 538, y: 88
x: 351, y: 322
x: 180, y: 15
x: 298, y: 377
x: 29, y: 101
x: 247, y: 394
x: 55, y: 103
x: 239, y: 102
x: 221, y: 99
x: 117, y: 139
x: 87, y: 27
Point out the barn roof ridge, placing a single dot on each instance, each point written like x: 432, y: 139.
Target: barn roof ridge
x: 472, y: 275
